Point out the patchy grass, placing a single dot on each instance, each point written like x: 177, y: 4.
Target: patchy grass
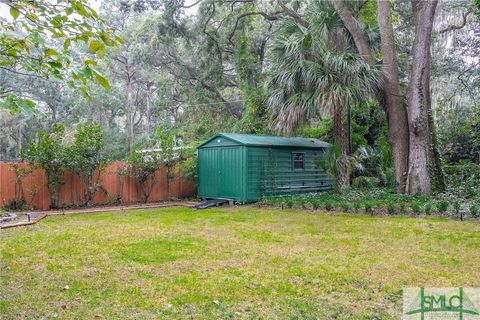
x: 244, y: 262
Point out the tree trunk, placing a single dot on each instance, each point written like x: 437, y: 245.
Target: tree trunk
x: 418, y: 95
x: 438, y: 176
x: 355, y: 30
x: 392, y: 100
x: 149, y: 109
x: 19, y: 140
x: 129, y: 111
x: 340, y: 137
x: 389, y: 97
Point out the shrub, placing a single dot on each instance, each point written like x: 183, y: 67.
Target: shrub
x: 15, y: 204
x: 416, y: 208
x: 369, y: 208
x: 48, y: 153
x: 474, y: 210
x: 443, y: 206
x: 356, y: 206
x: 345, y: 206
x: 315, y: 204
x: 403, y: 208
x: 391, y: 208
x: 365, y: 182
x: 143, y: 168
x: 428, y: 208
x: 328, y: 206
x: 85, y: 158
x: 463, y: 178
x: 189, y: 164
x: 456, y: 208
x: 289, y: 202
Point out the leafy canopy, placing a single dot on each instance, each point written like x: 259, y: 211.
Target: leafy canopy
x: 37, y: 40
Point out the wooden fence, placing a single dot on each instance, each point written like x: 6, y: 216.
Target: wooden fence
x: 72, y: 192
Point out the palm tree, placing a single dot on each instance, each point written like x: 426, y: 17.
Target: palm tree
x: 315, y: 73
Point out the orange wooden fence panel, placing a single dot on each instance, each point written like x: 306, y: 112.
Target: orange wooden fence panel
x: 72, y: 192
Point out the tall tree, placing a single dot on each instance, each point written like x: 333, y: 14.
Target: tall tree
x: 419, y: 100
x: 404, y: 141
x: 389, y: 97
x: 393, y: 104
x: 314, y: 75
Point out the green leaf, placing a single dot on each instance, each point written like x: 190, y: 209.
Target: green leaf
x: 32, y: 16
x: 55, y: 64
x: 90, y: 62
x: 14, y: 13
x: 26, y: 105
x: 6, y: 63
x: 95, y: 46
x: 101, y: 52
x: 51, y: 52
x: 119, y: 39
x: 66, y: 44
x: 81, y: 10
x: 87, y: 72
x: 101, y: 80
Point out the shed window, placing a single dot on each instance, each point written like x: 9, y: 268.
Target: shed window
x: 298, y: 161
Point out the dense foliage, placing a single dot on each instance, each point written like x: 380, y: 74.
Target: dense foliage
x: 39, y: 41
x: 243, y: 66
x: 48, y: 153
x: 85, y: 157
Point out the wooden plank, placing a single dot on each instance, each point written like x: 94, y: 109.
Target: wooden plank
x: 72, y: 192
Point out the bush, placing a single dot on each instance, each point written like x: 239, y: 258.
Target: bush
x: 403, y: 208
x: 189, y: 163
x: 84, y: 157
x: 48, y: 153
x: 356, y: 206
x: 328, y: 206
x: 369, y: 208
x: 443, y: 206
x: 428, y: 208
x: 315, y: 204
x: 391, y: 208
x: 456, y: 208
x: 416, y: 208
x: 15, y: 205
x: 289, y: 202
x: 301, y: 202
x: 345, y: 206
x: 365, y: 182
x: 463, y: 179
x: 474, y: 210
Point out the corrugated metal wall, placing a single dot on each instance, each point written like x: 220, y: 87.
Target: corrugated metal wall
x: 221, y: 172
x: 270, y: 172
x: 72, y: 192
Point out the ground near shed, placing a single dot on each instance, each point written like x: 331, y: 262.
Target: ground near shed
x: 241, y: 262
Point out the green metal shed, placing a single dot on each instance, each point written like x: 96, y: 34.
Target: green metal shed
x: 246, y: 168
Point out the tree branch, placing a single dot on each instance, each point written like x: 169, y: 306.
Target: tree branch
x: 298, y: 18
x: 270, y: 17
x: 460, y: 26
x: 354, y: 29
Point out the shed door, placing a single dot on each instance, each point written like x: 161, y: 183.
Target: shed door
x: 221, y: 172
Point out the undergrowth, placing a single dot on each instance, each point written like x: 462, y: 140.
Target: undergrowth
x: 378, y: 201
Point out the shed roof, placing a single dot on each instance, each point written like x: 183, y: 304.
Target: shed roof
x: 275, y: 141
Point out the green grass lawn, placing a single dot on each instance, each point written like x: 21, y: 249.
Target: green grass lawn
x: 244, y: 262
